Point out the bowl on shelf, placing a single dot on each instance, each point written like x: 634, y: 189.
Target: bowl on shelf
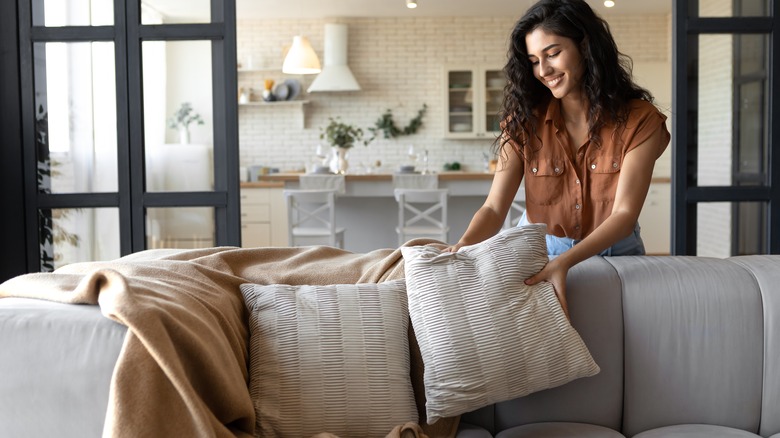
x: 496, y: 82
x: 460, y: 127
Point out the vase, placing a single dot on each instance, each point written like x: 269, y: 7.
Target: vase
x: 339, y: 160
x: 184, y: 135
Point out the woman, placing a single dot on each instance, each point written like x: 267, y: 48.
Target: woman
x: 580, y: 132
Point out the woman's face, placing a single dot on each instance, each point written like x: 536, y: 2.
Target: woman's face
x: 556, y: 62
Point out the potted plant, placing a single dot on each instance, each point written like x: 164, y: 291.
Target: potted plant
x: 341, y: 136
x: 182, y: 119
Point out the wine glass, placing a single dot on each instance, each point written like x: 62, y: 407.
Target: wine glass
x: 320, y: 153
x: 412, y: 154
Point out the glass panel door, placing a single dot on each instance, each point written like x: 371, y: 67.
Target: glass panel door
x: 129, y: 127
x: 727, y: 200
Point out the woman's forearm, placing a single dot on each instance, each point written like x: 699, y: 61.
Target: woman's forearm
x: 485, y: 224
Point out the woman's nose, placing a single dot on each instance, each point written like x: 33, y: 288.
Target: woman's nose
x: 544, y: 68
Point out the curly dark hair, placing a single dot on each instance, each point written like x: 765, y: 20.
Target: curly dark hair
x: 606, y: 82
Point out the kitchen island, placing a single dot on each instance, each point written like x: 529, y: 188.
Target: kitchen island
x: 369, y: 212
x: 368, y: 209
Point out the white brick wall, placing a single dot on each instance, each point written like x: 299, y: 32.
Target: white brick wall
x: 714, y: 129
x: 398, y: 63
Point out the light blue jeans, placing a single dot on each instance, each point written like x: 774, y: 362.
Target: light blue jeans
x: 631, y: 245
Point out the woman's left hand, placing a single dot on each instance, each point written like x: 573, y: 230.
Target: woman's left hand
x: 555, y: 273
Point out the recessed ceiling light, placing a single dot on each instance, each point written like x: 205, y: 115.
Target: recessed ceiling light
x: 609, y: 3
x: 411, y: 4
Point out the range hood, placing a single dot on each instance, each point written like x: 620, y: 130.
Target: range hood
x: 335, y: 75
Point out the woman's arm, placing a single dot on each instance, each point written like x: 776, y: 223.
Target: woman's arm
x: 487, y: 221
x: 632, y: 187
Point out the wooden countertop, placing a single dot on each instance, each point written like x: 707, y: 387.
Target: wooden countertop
x: 443, y: 176
x: 263, y: 185
x: 277, y: 180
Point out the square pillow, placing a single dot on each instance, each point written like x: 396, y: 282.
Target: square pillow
x: 329, y: 359
x: 484, y: 335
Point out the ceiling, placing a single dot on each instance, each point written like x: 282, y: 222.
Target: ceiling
x: 426, y: 8
x: 265, y: 9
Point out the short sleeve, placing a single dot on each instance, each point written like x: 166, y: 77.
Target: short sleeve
x: 644, y: 120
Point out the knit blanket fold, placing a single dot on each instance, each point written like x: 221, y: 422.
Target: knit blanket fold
x: 182, y: 370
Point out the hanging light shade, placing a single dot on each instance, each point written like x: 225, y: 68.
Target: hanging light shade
x: 301, y: 59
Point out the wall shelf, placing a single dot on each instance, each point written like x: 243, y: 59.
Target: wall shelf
x: 276, y: 103
x: 280, y: 105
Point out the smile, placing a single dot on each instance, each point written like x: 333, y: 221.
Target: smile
x: 553, y: 82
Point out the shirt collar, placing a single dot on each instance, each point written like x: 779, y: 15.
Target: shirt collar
x: 554, y: 113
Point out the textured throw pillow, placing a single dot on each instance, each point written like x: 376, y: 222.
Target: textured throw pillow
x: 329, y: 359
x: 485, y: 336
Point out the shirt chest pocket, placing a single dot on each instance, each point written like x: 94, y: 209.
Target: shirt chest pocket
x: 604, y: 173
x: 545, y: 182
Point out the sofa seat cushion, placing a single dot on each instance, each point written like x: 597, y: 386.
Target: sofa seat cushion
x: 695, y: 431
x: 466, y: 430
x: 559, y: 430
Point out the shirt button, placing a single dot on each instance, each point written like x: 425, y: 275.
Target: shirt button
x: 614, y: 165
x: 577, y: 181
x: 534, y: 170
x: 592, y: 166
x: 577, y: 206
x: 576, y: 227
x: 557, y: 170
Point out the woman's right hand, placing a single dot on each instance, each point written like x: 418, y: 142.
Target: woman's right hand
x: 453, y: 248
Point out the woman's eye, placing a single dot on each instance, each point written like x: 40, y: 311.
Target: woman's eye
x: 553, y: 55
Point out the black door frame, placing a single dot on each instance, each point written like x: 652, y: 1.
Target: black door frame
x: 131, y: 199
x: 687, y: 26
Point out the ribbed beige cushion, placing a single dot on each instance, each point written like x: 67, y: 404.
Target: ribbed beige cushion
x: 329, y: 359
x: 485, y: 336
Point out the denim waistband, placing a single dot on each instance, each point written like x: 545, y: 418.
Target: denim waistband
x: 630, y: 245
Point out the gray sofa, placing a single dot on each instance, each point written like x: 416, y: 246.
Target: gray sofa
x: 688, y: 347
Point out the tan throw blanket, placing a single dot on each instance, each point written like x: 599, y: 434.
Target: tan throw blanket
x: 182, y: 370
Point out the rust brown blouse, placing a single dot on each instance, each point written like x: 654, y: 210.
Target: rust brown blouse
x: 574, y: 196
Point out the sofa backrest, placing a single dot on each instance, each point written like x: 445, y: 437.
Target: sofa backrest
x: 766, y: 270
x: 594, y: 298
x: 679, y: 340
x: 693, y: 343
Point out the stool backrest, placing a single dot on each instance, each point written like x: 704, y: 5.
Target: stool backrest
x: 323, y: 182
x: 422, y: 212
x: 415, y: 181
x: 311, y: 209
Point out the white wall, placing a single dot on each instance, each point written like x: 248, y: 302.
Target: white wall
x: 715, y: 134
x: 399, y: 63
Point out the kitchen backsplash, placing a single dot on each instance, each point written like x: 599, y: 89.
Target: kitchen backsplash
x: 399, y: 63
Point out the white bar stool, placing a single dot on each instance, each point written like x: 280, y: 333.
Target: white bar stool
x: 422, y: 207
x: 311, y: 215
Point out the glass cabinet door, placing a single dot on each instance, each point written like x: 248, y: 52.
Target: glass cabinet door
x: 473, y: 100
x: 460, y: 103
x: 494, y: 96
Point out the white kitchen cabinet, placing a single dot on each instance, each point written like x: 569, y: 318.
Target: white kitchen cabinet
x: 656, y: 219
x: 472, y: 98
x: 263, y: 217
